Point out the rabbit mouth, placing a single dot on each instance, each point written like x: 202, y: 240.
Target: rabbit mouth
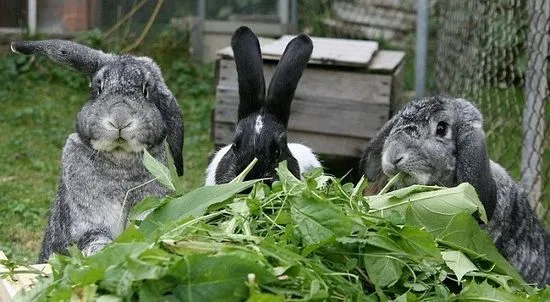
x: 118, y: 145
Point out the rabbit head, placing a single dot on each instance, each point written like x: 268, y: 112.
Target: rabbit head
x: 261, y: 130
x: 129, y: 108
x: 435, y: 141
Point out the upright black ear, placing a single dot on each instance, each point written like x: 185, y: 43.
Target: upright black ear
x: 371, y: 160
x: 285, y: 80
x: 473, y: 165
x: 80, y: 57
x: 248, y: 58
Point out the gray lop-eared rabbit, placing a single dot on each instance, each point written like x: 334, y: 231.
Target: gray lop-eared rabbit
x: 129, y: 109
x: 261, y: 131
x: 440, y: 141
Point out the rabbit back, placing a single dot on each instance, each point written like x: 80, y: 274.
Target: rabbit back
x: 516, y: 231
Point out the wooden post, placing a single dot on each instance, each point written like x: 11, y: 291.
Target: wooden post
x: 197, y: 31
x: 536, y: 93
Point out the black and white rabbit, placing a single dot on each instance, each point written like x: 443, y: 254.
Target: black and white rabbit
x: 129, y: 110
x: 261, y: 131
x: 440, y: 141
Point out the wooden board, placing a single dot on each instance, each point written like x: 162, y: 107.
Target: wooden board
x: 320, y: 83
x: 374, y: 17
x: 383, y: 61
x: 343, y: 117
x: 10, y: 286
x: 227, y: 52
x: 320, y: 143
x: 386, y: 60
x: 328, y: 51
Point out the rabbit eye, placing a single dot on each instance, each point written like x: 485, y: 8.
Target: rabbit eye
x: 99, y: 88
x: 277, y: 153
x: 442, y: 129
x: 145, y: 91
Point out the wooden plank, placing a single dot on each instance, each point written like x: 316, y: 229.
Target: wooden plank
x: 386, y: 60
x: 9, y: 287
x: 320, y: 143
x: 328, y: 51
x: 374, y: 17
x: 343, y: 117
x: 320, y: 83
x: 260, y: 28
x: 397, y: 97
x: 227, y: 52
x: 361, y: 31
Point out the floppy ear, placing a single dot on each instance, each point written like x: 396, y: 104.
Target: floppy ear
x: 371, y: 160
x: 170, y: 111
x: 80, y: 57
x: 248, y: 59
x: 287, y: 74
x: 473, y: 165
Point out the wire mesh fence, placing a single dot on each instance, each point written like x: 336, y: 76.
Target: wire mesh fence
x: 495, y: 53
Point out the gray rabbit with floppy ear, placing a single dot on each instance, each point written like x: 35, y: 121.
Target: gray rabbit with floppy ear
x: 440, y: 141
x: 129, y: 110
x: 261, y: 131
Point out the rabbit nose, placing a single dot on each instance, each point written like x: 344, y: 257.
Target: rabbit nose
x: 120, y: 125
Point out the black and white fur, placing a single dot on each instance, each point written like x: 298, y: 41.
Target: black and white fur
x: 129, y: 110
x: 440, y: 141
x: 261, y: 131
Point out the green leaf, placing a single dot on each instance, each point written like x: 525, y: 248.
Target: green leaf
x: 159, y: 171
x: 428, y: 206
x: 318, y: 221
x: 108, y: 298
x: 458, y: 263
x: 176, y: 181
x: 485, y: 292
x: 382, y: 269
x: 261, y: 297
x: 148, y: 204
x: 418, y: 242
x: 291, y: 184
x: 132, y: 233
x: 193, y: 204
x: 205, y: 277
x: 464, y: 234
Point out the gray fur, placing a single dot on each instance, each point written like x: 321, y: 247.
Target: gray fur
x: 129, y: 110
x: 413, y: 143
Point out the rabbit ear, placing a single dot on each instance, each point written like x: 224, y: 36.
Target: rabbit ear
x: 77, y: 56
x: 248, y: 59
x: 473, y: 164
x: 171, y: 113
x: 169, y: 109
x: 288, y: 73
x: 371, y: 160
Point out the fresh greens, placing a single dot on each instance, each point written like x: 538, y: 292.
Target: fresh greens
x: 301, y: 240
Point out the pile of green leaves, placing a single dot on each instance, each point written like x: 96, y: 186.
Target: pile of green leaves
x: 316, y: 239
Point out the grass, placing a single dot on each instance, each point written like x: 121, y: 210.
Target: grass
x: 38, y: 113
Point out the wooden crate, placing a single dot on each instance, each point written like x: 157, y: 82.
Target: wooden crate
x: 344, y: 97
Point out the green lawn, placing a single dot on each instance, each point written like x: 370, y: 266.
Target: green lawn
x: 38, y: 111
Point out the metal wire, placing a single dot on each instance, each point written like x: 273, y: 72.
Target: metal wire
x: 495, y: 53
